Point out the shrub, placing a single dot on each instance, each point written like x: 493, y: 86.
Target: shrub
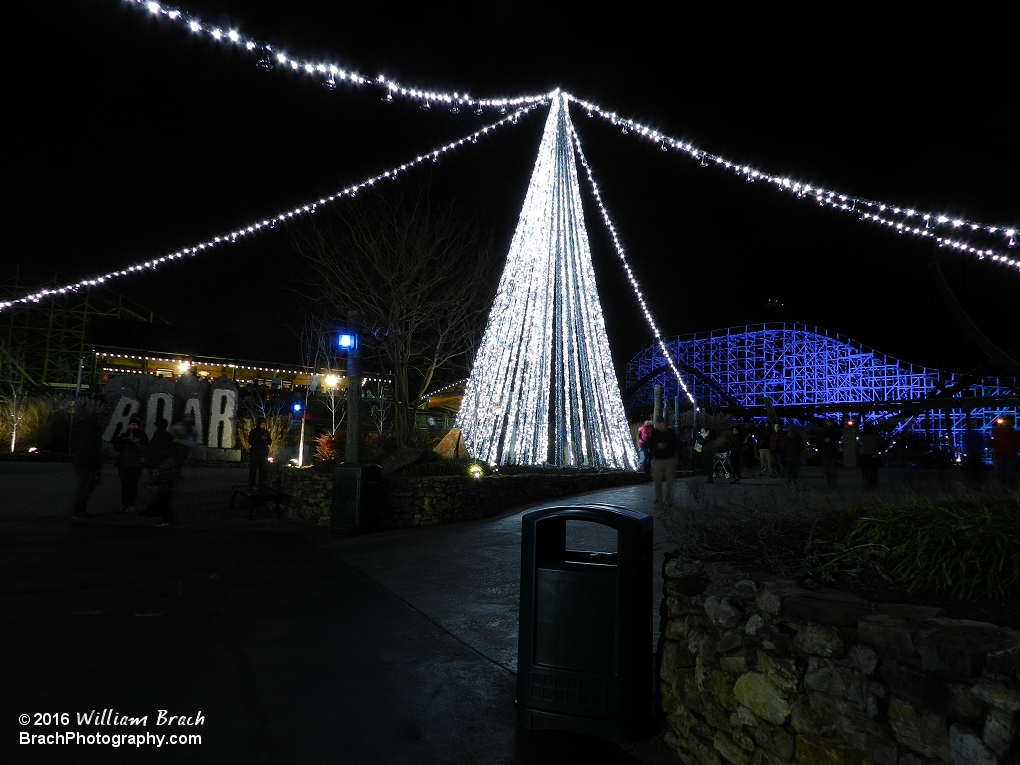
x: 327, y: 447
x: 444, y: 467
x: 279, y: 430
x: 34, y: 423
x: 967, y: 546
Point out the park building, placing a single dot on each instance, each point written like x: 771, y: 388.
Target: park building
x: 802, y: 374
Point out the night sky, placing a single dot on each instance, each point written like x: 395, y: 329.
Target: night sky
x: 132, y: 139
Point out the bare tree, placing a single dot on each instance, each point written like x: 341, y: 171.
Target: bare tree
x: 380, y: 406
x: 420, y: 274
x: 12, y: 396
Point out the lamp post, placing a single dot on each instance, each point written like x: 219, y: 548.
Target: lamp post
x: 347, y: 342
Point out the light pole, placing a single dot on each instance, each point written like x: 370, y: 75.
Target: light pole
x: 347, y: 342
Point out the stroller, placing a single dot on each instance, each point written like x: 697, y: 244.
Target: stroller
x: 721, y: 467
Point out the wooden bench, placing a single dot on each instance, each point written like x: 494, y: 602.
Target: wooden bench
x: 258, y: 495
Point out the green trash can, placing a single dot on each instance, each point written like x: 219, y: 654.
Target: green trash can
x: 356, y: 495
x: 585, y: 661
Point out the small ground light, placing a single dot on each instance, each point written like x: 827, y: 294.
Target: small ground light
x: 297, y: 406
x: 476, y: 471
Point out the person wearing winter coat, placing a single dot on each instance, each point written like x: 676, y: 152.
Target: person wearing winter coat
x: 87, y: 456
x: 159, y: 461
x: 130, y: 446
x: 644, y: 434
x: 258, y: 460
x: 793, y: 445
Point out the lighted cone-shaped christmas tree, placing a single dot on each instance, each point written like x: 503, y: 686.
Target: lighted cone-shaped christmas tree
x: 543, y: 389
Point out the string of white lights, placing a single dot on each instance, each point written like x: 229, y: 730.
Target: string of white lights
x: 928, y: 224
x: 912, y: 221
x: 266, y: 223
x: 626, y: 266
x: 271, y: 56
x: 437, y: 391
x: 543, y: 389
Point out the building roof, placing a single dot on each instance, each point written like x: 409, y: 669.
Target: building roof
x: 115, y: 335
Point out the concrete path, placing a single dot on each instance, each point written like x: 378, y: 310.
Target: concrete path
x: 294, y: 645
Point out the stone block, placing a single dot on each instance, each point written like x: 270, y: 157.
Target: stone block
x: 819, y: 751
x: 735, y: 664
x: 731, y: 752
x: 880, y: 750
x: 756, y: 692
x: 674, y: 656
x: 998, y: 695
x: 960, y: 650
x: 719, y: 686
x: 1005, y: 662
x: 745, y: 716
x: 828, y: 607
x: 817, y: 640
x: 703, y: 751
x: 1000, y: 732
x: 967, y: 747
x: 770, y: 595
x: 761, y: 757
x: 863, y: 657
x: 918, y: 729
x: 890, y: 636
x: 837, y: 679
x: 722, y: 611
x: 806, y: 717
x: 780, y: 670
x: 953, y: 700
x: 774, y: 739
x: 754, y: 625
x: 909, y: 610
x: 673, y: 629
x: 745, y: 589
x: 729, y: 641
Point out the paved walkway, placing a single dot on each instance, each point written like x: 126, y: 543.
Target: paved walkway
x: 295, y: 645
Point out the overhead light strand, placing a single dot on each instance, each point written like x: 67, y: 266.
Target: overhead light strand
x: 266, y: 223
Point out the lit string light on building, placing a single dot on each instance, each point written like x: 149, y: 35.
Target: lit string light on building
x: 543, y: 389
x: 267, y: 223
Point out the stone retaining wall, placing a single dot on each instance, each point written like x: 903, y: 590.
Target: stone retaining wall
x: 432, y: 500
x: 757, y: 670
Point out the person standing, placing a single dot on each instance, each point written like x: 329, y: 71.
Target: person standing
x: 645, y: 433
x: 183, y: 432
x: 973, y: 456
x: 736, y: 452
x: 764, y: 453
x: 828, y: 450
x: 793, y: 445
x: 130, y: 446
x: 776, y: 439
x: 1005, y: 446
x: 159, y: 460
x: 700, y: 453
x: 259, y: 441
x: 87, y: 456
x: 663, y: 445
x: 869, y: 454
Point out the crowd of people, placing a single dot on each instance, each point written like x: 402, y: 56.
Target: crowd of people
x: 779, y: 453
x: 148, y: 468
